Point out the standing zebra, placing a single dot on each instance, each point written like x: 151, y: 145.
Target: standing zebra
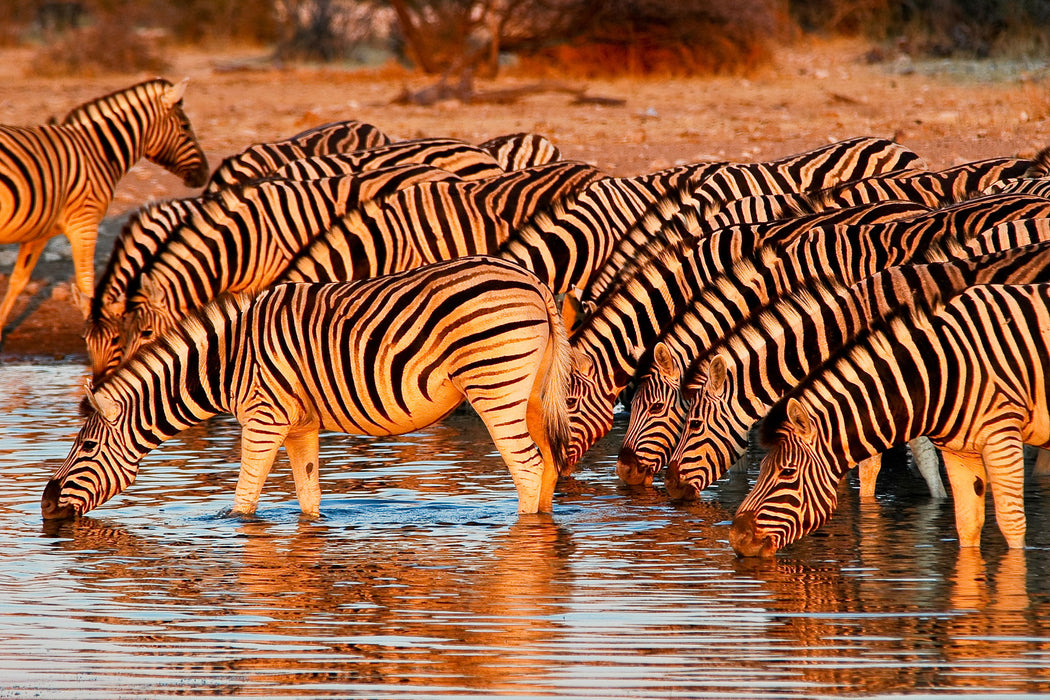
x: 60, y: 178
x: 970, y: 374
x: 262, y: 159
x: 377, y: 357
x: 462, y: 159
x: 736, y: 381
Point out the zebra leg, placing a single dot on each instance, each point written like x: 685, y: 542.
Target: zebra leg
x: 869, y: 473
x: 82, y: 238
x: 28, y: 255
x: 1003, y: 457
x: 929, y: 465
x: 303, y: 450
x: 537, y: 424
x: 967, y: 478
x: 521, y: 453
x: 259, y: 445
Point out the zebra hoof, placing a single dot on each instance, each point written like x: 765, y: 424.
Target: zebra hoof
x: 746, y: 539
x: 49, y: 507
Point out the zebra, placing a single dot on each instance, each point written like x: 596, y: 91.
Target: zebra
x: 735, y: 381
x: 658, y: 405
x: 439, y: 221
x: 521, y: 150
x: 932, y: 188
x: 377, y: 357
x: 60, y: 178
x: 969, y: 373
x: 261, y: 159
x: 614, y: 340
x: 813, y: 170
x: 462, y: 159
x: 241, y: 239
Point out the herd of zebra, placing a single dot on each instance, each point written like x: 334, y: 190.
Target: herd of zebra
x: 847, y: 298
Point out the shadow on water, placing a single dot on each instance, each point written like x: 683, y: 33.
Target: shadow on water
x: 420, y: 579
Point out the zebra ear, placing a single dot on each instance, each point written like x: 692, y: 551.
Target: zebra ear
x: 799, y: 418
x: 665, y: 363
x: 716, y: 374
x: 103, y: 404
x: 571, y: 311
x: 173, y: 94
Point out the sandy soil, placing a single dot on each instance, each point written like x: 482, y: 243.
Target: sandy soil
x: 813, y: 93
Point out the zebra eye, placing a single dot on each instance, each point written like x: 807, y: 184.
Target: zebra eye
x: 88, y: 446
x: 788, y: 471
x: 571, y: 403
x: 696, y: 424
x: 147, y: 333
x: 658, y: 407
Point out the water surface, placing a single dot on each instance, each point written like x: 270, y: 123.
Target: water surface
x: 421, y: 580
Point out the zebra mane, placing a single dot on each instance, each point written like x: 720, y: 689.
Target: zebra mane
x: 195, y: 330
x: 84, y: 113
x: 1040, y: 167
x: 878, y: 338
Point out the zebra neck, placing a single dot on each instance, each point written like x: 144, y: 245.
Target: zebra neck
x: 111, y: 153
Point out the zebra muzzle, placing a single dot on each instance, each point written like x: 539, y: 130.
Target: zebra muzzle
x: 747, y: 540
x: 49, y: 506
x: 630, y: 470
x: 678, y: 489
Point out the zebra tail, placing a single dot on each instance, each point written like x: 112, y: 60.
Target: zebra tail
x: 555, y: 386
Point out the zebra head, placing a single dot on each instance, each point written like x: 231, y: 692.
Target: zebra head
x: 795, y: 492
x: 590, y: 407
x: 171, y: 143
x: 146, y: 318
x: 99, y: 465
x: 657, y: 413
x: 711, y: 438
x: 103, y: 340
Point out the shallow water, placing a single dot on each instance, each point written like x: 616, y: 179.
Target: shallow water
x: 420, y: 579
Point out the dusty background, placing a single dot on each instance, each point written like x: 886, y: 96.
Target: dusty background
x: 813, y: 93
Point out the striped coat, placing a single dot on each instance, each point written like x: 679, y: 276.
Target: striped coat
x: 376, y: 357
x: 60, y: 178
x: 971, y: 374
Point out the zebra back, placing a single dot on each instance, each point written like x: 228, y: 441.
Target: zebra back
x: 565, y: 243
x: 435, y: 221
x: 764, y: 358
x: 836, y: 417
x: 522, y: 150
x: 261, y: 159
x: 816, y: 169
x: 932, y: 188
x: 459, y: 158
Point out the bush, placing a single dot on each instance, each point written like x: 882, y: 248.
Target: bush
x: 105, y: 47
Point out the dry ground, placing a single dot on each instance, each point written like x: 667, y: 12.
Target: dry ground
x: 812, y: 94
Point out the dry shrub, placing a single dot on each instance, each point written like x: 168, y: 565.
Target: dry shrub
x: 599, y: 60
x: 106, y: 47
